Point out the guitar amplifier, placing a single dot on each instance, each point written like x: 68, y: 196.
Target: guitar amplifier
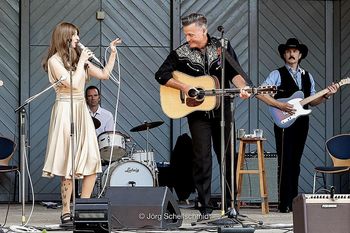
x: 250, y: 182
x: 318, y: 213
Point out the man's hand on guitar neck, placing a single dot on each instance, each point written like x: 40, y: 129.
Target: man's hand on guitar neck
x: 332, y: 89
x: 243, y: 93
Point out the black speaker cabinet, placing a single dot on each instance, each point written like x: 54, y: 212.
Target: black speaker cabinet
x: 143, y: 208
x: 91, y: 215
x: 321, y: 213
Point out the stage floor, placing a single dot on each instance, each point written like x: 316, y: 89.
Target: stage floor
x: 48, y: 218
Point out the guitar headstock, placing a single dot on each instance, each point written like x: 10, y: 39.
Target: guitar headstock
x: 344, y: 81
x: 265, y: 90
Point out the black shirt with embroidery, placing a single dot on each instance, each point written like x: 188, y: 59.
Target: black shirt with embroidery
x: 194, y: 63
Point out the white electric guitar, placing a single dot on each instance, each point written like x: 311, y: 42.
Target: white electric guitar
x: 284, y: 119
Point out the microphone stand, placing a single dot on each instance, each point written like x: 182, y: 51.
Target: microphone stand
x: 232, y: 213
x: 72, y: 133
x: 23, y: 140
x: 223, y: 160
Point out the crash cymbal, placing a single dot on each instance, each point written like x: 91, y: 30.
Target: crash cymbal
x: 147, y: 125
x: 97, y: 123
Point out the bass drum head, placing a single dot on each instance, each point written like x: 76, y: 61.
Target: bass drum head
x: 129, y: 173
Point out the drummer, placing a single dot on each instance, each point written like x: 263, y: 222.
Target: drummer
x: 105, y: 117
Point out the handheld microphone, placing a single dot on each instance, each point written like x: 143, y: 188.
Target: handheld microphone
x: 1, y: 83
x: 81, y: 46
x: 62, y: 78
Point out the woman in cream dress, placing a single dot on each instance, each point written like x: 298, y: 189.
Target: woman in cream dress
x: 58, y: 160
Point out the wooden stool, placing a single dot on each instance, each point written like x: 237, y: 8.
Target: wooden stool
x: 260, y: 171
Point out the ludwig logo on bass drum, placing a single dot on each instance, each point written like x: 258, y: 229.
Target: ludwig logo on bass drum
x: 131, y: 170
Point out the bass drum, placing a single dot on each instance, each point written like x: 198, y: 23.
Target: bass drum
x: 144, y: 157
x: 128, y: 173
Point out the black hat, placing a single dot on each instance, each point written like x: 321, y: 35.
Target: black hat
x: 293, y: 43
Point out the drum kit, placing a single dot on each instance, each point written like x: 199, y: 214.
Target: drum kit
x: 127, y: 167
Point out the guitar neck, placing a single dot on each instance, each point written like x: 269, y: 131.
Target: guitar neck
x: 313, y: 97
x: 235, y: 91
x: 220, y: 92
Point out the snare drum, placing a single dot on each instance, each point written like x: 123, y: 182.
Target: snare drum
x: 128, y: 173
x: 106, y: 142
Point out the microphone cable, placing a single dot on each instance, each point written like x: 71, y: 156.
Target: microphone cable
x: 118, y: 82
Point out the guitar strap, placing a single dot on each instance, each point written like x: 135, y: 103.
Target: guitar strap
x: 237, y: 67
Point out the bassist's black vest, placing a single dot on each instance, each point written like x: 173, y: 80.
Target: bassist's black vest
x: 288, y: 85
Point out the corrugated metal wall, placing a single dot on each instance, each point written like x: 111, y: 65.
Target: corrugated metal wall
x: 305, y: 20
x: 255, y: 28
x: 342, y: 113
x: 9, y: 74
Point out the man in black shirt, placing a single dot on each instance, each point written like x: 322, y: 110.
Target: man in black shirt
x: 199, y: 56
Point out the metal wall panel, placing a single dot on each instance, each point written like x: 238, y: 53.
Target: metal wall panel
x: 345, y: 65
x: 9, y: 74
x: 146, y: 30
x: 305, y: 20
x: 345, y: 73
x: 144, y: 27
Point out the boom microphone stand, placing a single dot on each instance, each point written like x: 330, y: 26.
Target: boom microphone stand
x: 23, y: 140
x: 232, y: 213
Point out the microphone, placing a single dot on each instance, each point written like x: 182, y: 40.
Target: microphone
x: 81, y: 46
x: 220, y: 28
x: 1, y: 83
x: 62, y: 78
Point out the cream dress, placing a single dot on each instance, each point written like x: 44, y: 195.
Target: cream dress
x: 58, y: 160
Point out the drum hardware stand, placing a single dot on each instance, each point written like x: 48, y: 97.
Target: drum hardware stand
x: 147, y: 126
x: 152, y: 166
x: 23, y: 140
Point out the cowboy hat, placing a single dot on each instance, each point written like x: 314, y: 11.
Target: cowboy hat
x: 293, y: 43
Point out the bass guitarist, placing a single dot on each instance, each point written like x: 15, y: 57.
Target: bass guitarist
x: 199, y: 56
x: 290, y: 141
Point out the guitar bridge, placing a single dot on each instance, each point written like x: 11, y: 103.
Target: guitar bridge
x: 192, y: 102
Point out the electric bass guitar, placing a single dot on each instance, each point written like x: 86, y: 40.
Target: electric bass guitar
x: 284, y: 120
x: 177, y: 104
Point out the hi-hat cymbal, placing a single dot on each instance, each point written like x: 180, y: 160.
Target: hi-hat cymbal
x: 146, y: 125
x: 97, y: 123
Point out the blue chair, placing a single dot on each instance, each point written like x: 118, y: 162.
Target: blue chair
x: 338, y: 148
x: 7, y: 149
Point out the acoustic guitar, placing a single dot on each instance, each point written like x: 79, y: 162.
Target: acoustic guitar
x: 176, y: 104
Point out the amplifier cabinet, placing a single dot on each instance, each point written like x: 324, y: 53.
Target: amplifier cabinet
x: 321, y: 213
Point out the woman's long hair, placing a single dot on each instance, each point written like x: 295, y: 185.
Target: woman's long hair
x: 60, y: 38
